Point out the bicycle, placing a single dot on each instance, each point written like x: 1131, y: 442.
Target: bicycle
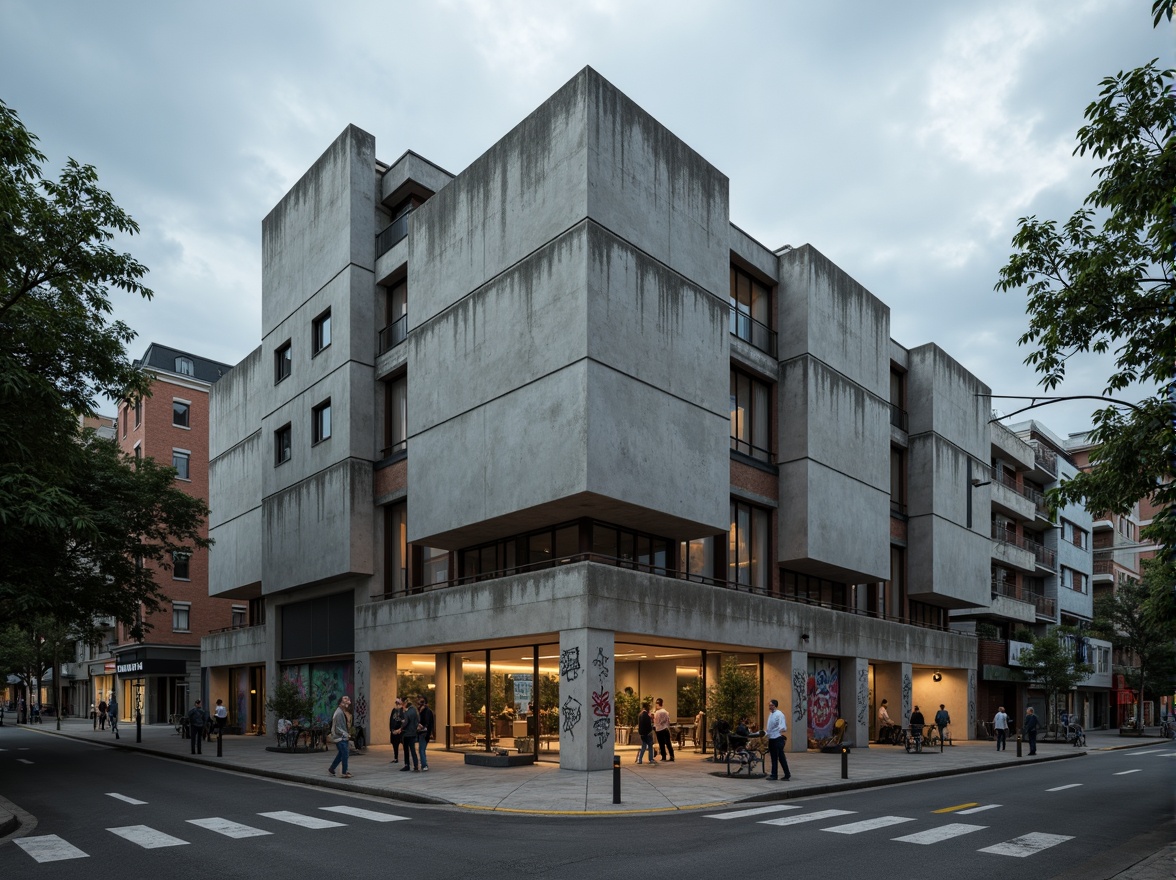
x: 1075, y: 735
x: 740, y: 756
x: 912, y: 740
x: 1168, y: 730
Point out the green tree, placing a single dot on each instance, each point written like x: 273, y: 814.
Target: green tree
x: 287, y: 700
x: 1138, y: 619
x: 1104, y: 282
x: 1052, y: 664
x: 734, y: 694
x: 32, y: 651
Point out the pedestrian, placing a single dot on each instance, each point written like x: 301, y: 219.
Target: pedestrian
x: 428, y: 729
x: 396, y: 728
x: 412, y: 723
x: 20, y: 711
x: 1000, y: 725
x: 885, y: 734
x: 196, y: 718
x: 221, y: 713
x: 112, y: 711
x: 102, y: 714
x: 645, y: 732
x: 942, y: 719
x: 1030, y: 728
x: 339, y: 725
x: 661, y: 729
x: 917, y: 724
x: 777, y: 727
x: 93, y: 715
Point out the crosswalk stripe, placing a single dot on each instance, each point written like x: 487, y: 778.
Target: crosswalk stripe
x: 978, y: 809
x: 1027, y: 845
x: 1126, y: 772
x: 303, y: 821
x: 23, y: 761
x: 868, y: 825
x: 1064, y: 787
x: 50, y: 848
x: 146, y: 836
x: 943, y: 832
x: 1148, y: 752
x: 807, y: 817
x: 123, y: 797
x: 758, y: 811
x: 229, y: 828
x: 364, y: 814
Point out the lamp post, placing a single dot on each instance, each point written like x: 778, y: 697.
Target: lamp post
x: 138, y: 710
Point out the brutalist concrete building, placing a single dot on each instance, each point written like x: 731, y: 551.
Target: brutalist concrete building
x: 552, y: 435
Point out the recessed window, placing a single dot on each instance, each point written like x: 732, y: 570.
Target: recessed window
x: 283, y: 358
x: 283, y: 440
x: 751, y: 311
x: 321, y: 335
x: 138, y: 413
x: 185, y: 367
x: 321, y: 418
x: 240, y: 616
x: 180, y: 566
x: 138, y: 454
x: 395, y: 416
x: 181, y: 615
x: 126, y: 417
x: 751, y: 416
x: 180, y: 461
x: 180, y: 411
x: 747, y: 551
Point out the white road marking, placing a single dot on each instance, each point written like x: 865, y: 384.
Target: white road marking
x: 1125, y: 772
x: 364, y: 814
x: 807, y: 817
x: 1148, y: 752
x: 229, y: 829
x: 23, y: 761
x: 1064, y: 787
x: 50, y: 848
x: 1028, y: 845
x: 978, y: 809
x: 758, y: 811
x: 302, y: 821
x: 868, y: 825
x: 147, y: 837
x: 123, y: 797
x: 943, y: 832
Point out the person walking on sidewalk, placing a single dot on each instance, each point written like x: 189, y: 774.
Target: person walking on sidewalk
x: 396, y: 728
x: 102, y: 714
x: 776, y: 728
x: 339, y: 727
x: 1030, y: 727
x: 412, y: 723
x: 661, y: 727
x: 112, y: 710
x: 942, y: 719
x: 645, y: 733
x: 428, y: 729
x: 1000, y: 725
x: 196, y: 719
x: 221, y: 716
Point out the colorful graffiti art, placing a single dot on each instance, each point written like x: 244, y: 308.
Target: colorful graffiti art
x: 824, y: 706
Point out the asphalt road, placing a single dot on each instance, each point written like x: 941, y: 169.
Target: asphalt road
x: 131, y: 814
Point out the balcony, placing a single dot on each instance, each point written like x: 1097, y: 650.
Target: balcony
x: 1104, y: 567
x: 392, y: 335
x: 898, y: 417
x: 1046, y: 459
x: 1043, y: 555
x: 750, y: 330
x: 1043, y: 605
x: 391, y: 234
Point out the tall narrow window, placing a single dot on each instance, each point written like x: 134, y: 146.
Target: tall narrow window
x: 396, y: 416
x: 747, y: 552
x: 751, y: 416
x: 751, y: 311
x: 698, y: 558
x: 321, y: 332
x: 180, y: 413
x: 181, y: 566
x: 283, y: 441
x: 395, y: 548
x: 138, y: 413
x: 898, y: 482
x: 321, y: 419
x: 181, y: 612
x: 435, y: 564
x: 180, y: 461
x: 283, y: 360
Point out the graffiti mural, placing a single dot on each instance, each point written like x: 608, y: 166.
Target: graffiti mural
x: 799, y: 695
x: 863, y: 695
x: 971, y: 699
x: 571, y: 711
x: 906, y: 698
x: 327, y: 681
x: 361, y: 703
x: 823, y: 696
x: 569, y: 664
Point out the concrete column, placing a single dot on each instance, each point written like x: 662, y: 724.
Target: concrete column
x: 361, y: 703
x: 586, y: 713
x: 972, y: 719
x: 907, y: 701
x: 381, y: 693
x: 437, y: 700
x: 855, y: 699
x: 797, y: 707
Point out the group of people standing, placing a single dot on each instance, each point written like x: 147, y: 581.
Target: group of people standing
x: 104, y: 712
x: 916, y: 724
x: 655, y: 725
x: 199, y: 728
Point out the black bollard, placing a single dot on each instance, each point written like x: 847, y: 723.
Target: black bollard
x: 616, y: 779
x: 1018, y: 745
x: 219, y: 734
x: 138, y: 726
x: 844, y: 762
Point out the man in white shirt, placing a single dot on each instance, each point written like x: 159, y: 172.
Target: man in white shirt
x: 221, y: 714
x: 1000, y: 724
x: 661, y: 729
x: 776, y: 728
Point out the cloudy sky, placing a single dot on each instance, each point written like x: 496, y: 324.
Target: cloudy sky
x: 903, y: 140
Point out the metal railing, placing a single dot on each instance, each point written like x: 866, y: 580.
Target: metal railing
x: 1007, y: 536
x: 1043, y: 555
x: 1046, y: 459
x: 392, y: 234
x: 751, y: 450
x: 1104, y: 566
x: 898, y: 417
x: 394, y: 334
x: 750, y: 330
x: 1043, y: 605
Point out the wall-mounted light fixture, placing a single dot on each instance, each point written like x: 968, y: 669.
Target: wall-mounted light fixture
x: 804, y: 637
x: 938, y: 676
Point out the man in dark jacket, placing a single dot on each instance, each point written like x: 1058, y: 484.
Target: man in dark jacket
x: 1030, y: 728
x: 427, y: 730
x: 412, y: 723
x: 197, y: 718
x: 645, y: 732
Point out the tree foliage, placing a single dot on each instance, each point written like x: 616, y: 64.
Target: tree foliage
x: 75, y: 515
x: 1103, y: 282
x: 734, y: 694
x: 1052, y: 664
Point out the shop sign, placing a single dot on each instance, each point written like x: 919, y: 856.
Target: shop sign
x: 1015, y: 651
x: 136, y: 666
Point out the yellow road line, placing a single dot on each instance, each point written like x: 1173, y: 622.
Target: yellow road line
x: 956, y: 807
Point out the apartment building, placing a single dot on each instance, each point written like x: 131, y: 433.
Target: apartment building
x: 553, y: 431
x: 162, y: 673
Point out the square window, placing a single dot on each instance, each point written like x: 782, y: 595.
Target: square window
x: 321, y: 419
x: 180, y: 463
x: 180, y: 616
x: 180, y: 567
x: 283, y: 439
x: 321, y: 332
x: 180, y: 414
x: 283, y: 359
x: 185, y: 367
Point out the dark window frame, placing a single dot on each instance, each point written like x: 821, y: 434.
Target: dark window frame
x: 187, y: 414
x: 283, y: 361
x: 185, y: 458
x: 283, y: 444
x: 320, y: 429
x: 320, y: 333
